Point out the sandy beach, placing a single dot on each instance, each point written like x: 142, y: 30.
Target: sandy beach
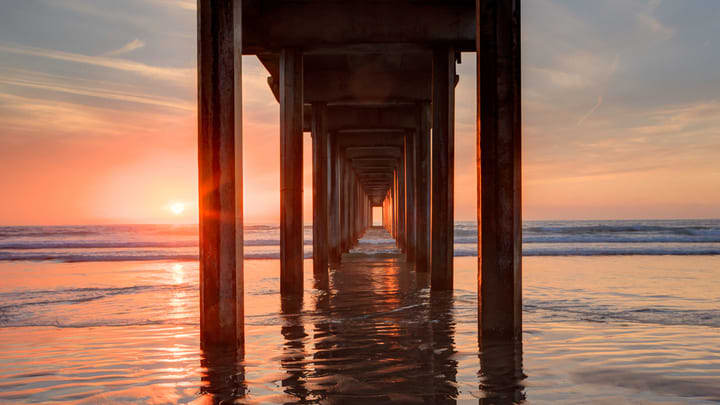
x: 602, y: 329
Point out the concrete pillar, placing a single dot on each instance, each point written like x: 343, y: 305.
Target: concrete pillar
x: 320, y: 190
x: 393, y: 197
x: 384, y: 212
x: 291, y: 169
x: 499, y: 169
x: 401, y: 203
x: 409, y: 151
x: 334, y: 209
x: 346, y: 205
x: 422, y: 146
x: 443, y: 162
x: 352, y: 200
x: 220, y: 174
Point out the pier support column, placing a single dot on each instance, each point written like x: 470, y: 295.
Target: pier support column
x: 443, y: 161
x: 422, y: 214
x: 345, y: 205
x: 220, y: 174
x: 291, y: 169
x: 409, y: 150
x: 334, y: 211
x: 402, y: 231
x: 320, y: 190
x: 499, y: 169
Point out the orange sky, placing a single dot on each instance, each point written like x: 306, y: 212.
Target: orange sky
x: 99, y: 125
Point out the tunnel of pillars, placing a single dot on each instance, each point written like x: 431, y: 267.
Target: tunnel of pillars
x: 374, y: 84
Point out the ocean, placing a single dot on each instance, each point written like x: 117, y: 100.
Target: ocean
x: 613, y: 312
x: 179, y: 242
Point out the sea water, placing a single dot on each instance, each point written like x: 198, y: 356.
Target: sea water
x: 613, y: 312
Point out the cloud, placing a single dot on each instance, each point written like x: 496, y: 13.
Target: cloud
x: 592, y: 110
x: 648, y: 20
x: 183, y: 4
x: 178, y: 75
x: 129, y: 47
x: 90, y: 89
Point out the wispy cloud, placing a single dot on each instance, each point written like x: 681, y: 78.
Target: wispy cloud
x: 178, y: 75
x: 100, y: 90
x: 647, y: 19
x: 184, y: 4
x: 592, y: 110
x: 129, y: 47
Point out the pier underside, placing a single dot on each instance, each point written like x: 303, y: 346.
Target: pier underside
x: 373, y: 82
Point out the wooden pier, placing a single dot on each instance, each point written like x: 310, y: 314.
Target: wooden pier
x: 374, y: 84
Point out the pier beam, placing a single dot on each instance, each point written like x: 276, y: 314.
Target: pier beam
x: 499, y: 169
x: 422, y: 214
x: 291, y: 169
x: 320, y: 191
x: 443, y: 161
x: 220, y: 174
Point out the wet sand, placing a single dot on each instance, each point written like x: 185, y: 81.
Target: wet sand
x: 596, y: 330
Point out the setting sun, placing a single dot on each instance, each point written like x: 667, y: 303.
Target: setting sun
x: 177, y: 208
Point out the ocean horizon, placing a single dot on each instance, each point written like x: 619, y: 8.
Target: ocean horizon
x: 79, y: 243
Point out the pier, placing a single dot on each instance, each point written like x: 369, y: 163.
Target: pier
x: 373, y: 82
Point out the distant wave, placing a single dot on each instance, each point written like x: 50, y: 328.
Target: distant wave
x: 114, y: 244
x: 179, y: 242
x: 460, y: 251
x: 595, y: 313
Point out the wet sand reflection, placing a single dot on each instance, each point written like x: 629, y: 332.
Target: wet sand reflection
x: 501, y: 375
x: 376, y: 338
x: 373, y: 333
x: 223, y: 379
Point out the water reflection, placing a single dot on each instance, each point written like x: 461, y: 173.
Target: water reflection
x: 223, y: 379
x: 501, y: 372
x: 376, y: 338
x: 293, y: 356
x: 373, y: 333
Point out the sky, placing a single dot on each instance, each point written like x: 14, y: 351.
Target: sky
x: 98, y: 124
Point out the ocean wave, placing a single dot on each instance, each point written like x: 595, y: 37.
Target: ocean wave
x: 602, y: 313
x: 579, y: 239
x: 18, y: 299
x: 179, y: 242
x: 605, y: 250
x: 460, y: 251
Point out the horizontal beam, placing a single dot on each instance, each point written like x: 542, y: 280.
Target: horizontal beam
x: 273, y: 25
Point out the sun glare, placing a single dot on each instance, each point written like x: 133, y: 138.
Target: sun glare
x: 177, y: 208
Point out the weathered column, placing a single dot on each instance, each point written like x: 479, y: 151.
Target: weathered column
x: 346, y: 206
x: 401, y: 203
x: 422, y: 218
x: 220, y: 173
x: 343, y: 198
x: 443, y: 162
x: 499, y: 169
x: 394, y: 199
x: 409, y: 150
x: 384, y: 213
x: 352, y: 200
x: 334, y: 210
x: 291, y: 169
x: 320, y: 190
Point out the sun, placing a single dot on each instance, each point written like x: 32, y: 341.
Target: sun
x: 177, y: 208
